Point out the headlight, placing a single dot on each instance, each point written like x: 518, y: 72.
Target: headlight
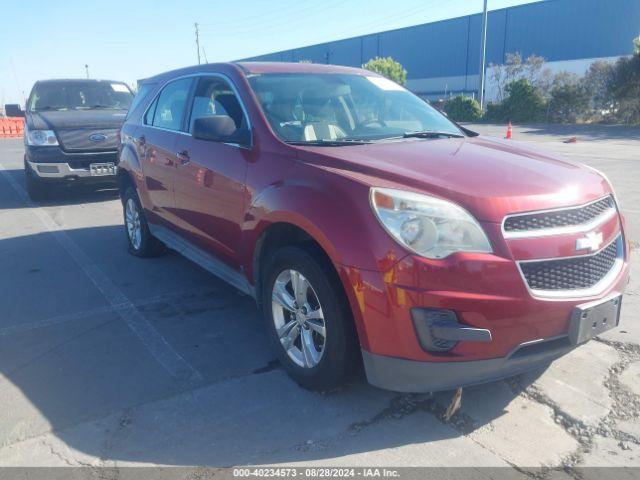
x: 39, y: 138
x: 428, y: 226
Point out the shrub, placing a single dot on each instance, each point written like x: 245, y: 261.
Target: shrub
x: 522, y: 104
x: 597, y: 83
x: 387, y: 67
x: 569, y: 99
x: 625, y: 88
x: 463, y: 109
x: 494, y: 112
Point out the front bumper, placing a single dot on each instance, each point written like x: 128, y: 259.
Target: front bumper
x: 64, y: 171
x: 52, y: 164
x: 401, y: 375
x: 512, y: 329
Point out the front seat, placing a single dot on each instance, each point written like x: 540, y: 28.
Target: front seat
x: 319, y: 124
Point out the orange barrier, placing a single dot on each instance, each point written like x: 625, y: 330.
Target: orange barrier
x: 11, y: 127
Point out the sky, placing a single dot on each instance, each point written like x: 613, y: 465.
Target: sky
x: 132, y: 39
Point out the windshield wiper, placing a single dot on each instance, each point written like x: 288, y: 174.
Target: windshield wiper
x: 328, y: 143
x: 431, y: 134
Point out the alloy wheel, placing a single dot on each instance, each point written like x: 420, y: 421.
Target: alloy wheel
x: 298, y: 318
x: 132, y: 220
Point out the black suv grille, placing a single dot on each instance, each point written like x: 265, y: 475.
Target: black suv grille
x: 558, y: 218
x: 570, y: 273
x: 78, y: 140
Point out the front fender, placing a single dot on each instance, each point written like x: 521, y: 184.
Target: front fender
x: 337, y: 216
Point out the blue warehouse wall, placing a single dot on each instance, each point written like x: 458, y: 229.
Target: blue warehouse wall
x: 558, y: 30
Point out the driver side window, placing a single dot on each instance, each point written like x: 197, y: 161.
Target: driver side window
x: 214, y: 97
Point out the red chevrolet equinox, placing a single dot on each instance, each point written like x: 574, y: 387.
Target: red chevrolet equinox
x: 369, y: 227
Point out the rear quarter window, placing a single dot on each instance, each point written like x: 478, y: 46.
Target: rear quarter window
x: 143, y: 92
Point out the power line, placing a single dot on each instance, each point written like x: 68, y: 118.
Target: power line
x: 388, y: 20
x: 259, y: 18
x: 276, y: 25
x: 379, y: 23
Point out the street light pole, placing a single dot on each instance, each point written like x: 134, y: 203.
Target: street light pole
x: 483, y: 55
x: 197, y: 41
x: 86, y: 68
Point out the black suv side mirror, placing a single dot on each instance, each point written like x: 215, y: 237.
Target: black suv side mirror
x: 220, y: 128
x: 13, y: 110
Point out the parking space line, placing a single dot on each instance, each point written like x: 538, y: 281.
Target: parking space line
x: 57, y: 320
x: 69, y: 317
x: 155, y: 343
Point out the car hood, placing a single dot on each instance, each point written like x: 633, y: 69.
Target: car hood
x: 76, y: 119
x: 489, y: 177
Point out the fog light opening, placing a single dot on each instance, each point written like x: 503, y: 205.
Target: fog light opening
x: 427, y: 321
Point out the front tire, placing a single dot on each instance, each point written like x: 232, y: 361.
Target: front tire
x: 36, y: 189
x: 308, y: 319
x: 140, y: 240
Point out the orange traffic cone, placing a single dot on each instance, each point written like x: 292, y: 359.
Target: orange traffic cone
x: 509, y: 132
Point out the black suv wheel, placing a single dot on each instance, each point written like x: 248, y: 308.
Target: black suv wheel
x: 36, y: 189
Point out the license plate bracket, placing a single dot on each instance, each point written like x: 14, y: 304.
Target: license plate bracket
x: 102, y: 169
x: 592, y: 319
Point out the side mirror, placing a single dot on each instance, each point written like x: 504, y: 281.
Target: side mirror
x: 220, y: 128
x: 13, y: 110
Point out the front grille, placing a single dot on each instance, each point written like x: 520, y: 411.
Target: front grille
x: 78, y: 140
x: 571, y: 273
x: 568, y: 217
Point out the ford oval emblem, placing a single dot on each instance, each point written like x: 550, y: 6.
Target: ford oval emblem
x: 97, y: 137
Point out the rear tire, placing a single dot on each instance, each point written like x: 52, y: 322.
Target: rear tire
x: 36, y: 189
x: 139, y: 238
x: 313, y: 360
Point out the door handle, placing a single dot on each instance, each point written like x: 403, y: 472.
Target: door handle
x: 183, y: 157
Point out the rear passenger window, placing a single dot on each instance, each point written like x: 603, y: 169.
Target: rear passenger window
x: 214, y: 96
x: 148, y: 117
x: 171, y: 104
x: 143, y: 91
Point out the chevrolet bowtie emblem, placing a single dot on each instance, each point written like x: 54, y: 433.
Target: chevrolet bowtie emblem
x: 591, y: 241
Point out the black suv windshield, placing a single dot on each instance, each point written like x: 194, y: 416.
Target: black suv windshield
x: 311, y: 107
x: 80, y: 95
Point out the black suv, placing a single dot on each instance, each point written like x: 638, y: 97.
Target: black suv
x: 71, y: 132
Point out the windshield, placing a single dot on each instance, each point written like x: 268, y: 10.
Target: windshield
x: 78, y: 95
x: 313, y: 108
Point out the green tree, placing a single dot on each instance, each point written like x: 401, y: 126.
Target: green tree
x: 387, y: 67
x: 597, y: 83
x: 532, y: 68
x: 625, y: 87
x: 463, y: 109
x: 522, y: 104
x: 569, y: 99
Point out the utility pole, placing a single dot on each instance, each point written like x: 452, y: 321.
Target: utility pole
x: 483, y: 54
x: 86, y: 68
x: 197, y: 41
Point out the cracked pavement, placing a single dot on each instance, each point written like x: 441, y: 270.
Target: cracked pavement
x: 81, y: 386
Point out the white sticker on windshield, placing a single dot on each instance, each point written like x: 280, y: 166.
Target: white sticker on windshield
x: 119, y: 87
x: 385, y: 83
